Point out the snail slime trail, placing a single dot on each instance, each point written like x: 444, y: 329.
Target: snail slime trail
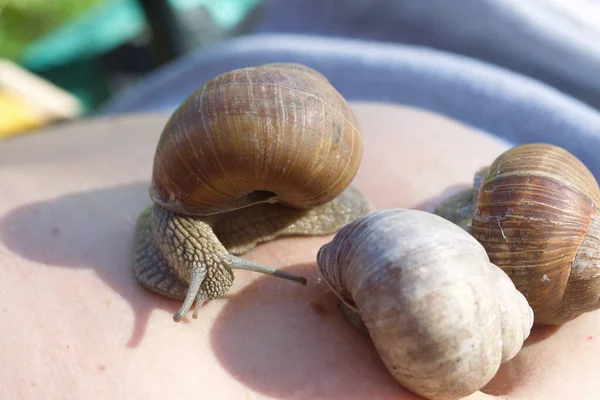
x: 442, y: 317
x: 535, y: 211
x: 279, y: 129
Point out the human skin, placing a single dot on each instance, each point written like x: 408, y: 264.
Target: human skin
x: 74, y: 323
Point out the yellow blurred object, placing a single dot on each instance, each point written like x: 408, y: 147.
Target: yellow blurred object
x: 28, y: 101
x: 16, y: 116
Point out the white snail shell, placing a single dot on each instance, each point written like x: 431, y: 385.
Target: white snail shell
x: 441, y: 316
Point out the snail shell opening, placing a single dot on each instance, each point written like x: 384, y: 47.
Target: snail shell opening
x: 273, y: 133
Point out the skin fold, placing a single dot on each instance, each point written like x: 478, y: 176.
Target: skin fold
x: 75, y: 323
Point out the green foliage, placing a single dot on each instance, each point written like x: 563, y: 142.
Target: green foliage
x: 22, y: 21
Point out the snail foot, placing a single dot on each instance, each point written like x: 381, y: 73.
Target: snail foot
x: 151, y: 270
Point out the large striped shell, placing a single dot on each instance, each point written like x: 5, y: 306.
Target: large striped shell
x: 536, y: 216
x: 273, y: 133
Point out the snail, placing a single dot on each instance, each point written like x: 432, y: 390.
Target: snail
x: 535, y: 211
x: 252, y: 155
x: 441, y: 316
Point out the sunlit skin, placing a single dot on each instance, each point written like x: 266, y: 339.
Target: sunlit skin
x: 75, y: 324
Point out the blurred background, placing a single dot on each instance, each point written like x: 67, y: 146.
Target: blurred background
x: 62, y: 60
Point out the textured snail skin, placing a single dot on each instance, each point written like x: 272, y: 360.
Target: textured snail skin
x: 459, y: 207
x: 441, y: 316
x: 253, y: 155
x: 171, y: 249
x: 535, y: 213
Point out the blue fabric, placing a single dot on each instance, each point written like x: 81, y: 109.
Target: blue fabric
x: 510, y: 106
x: 530, y: 37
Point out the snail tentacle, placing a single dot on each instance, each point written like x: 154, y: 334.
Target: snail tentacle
x: 173, y: 247
x: 239, y: 263
x: 189, y: 246
x: 193, y: 294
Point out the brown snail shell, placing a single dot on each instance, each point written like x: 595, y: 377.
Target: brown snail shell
x: 535, y: 215
x: 535, y: 212
x: 441, y: 316
x: 273, y: 133
x: 253, y: 155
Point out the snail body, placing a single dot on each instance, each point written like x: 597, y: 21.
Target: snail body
x: 442, y: 317
x: 535, y: 211
x: 252, y: 155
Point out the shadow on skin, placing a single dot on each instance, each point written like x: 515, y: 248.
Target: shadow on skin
x: 45, y: 232
x: 511, y: 373
x: 292, y: 342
